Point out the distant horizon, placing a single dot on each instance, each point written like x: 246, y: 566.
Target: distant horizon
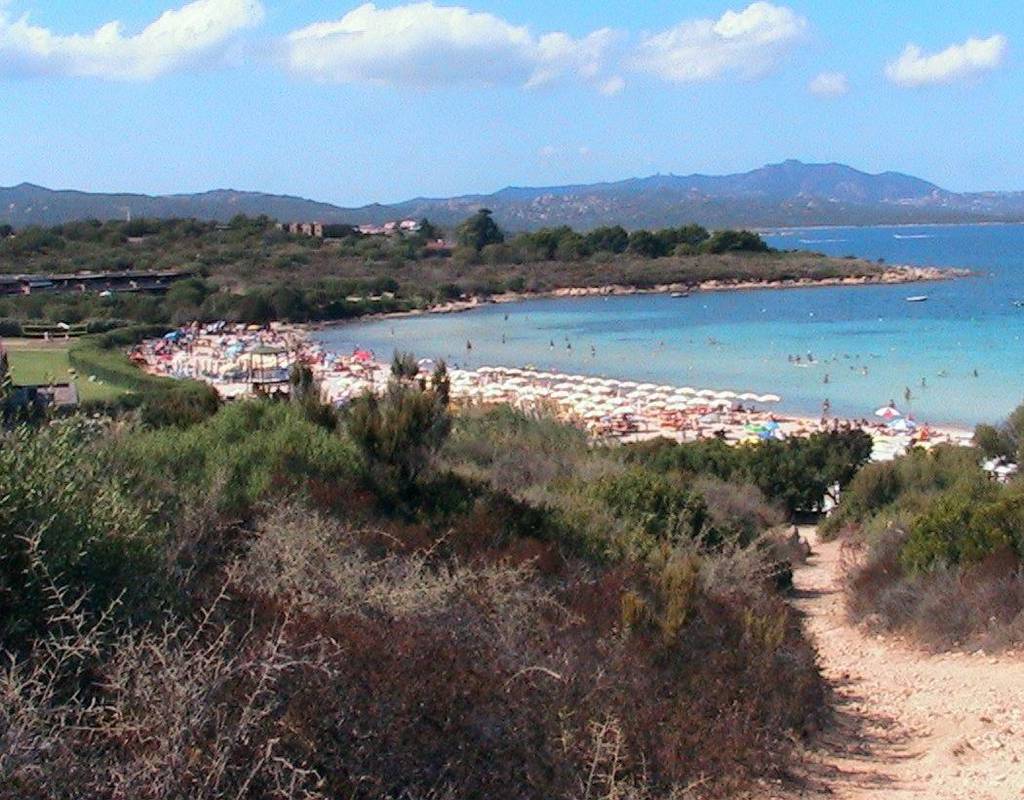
x: 513, y: 186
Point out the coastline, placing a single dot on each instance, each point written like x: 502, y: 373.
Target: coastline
x: 891, y: 276
x: 614, y: 409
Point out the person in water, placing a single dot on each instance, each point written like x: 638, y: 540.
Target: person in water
x: 469, y: 345
x: 825, y: 379
x: 907, y: 394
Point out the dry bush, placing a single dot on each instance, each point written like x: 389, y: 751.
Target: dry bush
x: 182, y: 710
x: 969, y: 606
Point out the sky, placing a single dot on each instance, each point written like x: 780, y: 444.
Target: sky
x: 353, y: 104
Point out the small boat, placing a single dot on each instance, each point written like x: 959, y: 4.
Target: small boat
x: 919, y: 298
x: 679, y: 294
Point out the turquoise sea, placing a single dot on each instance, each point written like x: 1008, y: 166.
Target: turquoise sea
x: 960, y: 354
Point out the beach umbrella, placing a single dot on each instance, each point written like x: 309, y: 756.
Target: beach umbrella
x: 888, y: 412
x: 769, y: 398
x: 748, y: 396
x: 647, y: 387
x: 706, y: 392
x: 725, y: 395
x: 667, y: 389
x: 686, y: 390
x: 628, y: 384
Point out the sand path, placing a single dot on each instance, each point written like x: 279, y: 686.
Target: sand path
x: 908, y: 724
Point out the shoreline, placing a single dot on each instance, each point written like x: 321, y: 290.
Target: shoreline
x: 615, y: 409
x: 891, y: 276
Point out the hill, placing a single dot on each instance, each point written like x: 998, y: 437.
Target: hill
x: 788, y: 194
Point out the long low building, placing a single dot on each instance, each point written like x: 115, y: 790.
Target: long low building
x: 81, y: 282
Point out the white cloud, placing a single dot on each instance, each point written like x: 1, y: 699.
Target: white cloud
x: 829, y: 84
x: 915, y: 68
x: 426, y: 45
x: 177, y: 39
x: 745, y: 43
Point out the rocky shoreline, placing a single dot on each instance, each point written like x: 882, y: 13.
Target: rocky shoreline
x: 890, y: 276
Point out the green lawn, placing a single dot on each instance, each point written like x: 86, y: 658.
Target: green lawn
x: 51, y: 364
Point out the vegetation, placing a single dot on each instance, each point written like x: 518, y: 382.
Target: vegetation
x: 940, y: 546
x: 799, y: 474
x: 253, y: 271
x: 272, y: 602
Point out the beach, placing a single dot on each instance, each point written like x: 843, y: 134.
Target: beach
x: 242, y: 361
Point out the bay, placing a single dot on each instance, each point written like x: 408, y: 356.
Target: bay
x: 959, y: 356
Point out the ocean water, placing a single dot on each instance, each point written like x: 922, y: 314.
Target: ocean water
x: 960, y: 355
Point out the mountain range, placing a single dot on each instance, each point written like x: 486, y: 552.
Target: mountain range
x: 788, y: 194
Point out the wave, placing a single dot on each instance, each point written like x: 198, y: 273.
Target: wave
x: 822, y: 241
x: 912, y: 236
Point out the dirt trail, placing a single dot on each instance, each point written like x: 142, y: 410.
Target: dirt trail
x: 908, y: 724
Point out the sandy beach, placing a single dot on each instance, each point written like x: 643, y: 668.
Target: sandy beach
x: 243, y: 360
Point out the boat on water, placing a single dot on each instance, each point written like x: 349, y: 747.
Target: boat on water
x: 919, y: 298
x: 679, y: 294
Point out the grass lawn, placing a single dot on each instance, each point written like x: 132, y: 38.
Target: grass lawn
x: 45, y: 363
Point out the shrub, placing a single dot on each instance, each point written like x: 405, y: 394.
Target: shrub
x: 255, y: 450
x: 399, y: 434
x: 66, y: 521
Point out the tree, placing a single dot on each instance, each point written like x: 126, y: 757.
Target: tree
x: 608, y: 239
x: 646, y: 244
x: 479, y: 231
x: 732, y: 241
x: 428, y: 230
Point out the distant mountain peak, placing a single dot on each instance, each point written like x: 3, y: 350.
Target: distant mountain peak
x: 788, y: 193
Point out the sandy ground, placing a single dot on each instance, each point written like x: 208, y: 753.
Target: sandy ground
x: 908, y: 724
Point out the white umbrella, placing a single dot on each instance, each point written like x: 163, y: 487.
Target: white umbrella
x: 888, y: 412
x: 749, y: 396
x: 686, y: 390
x: 725, y: 395
x: 769, y: 398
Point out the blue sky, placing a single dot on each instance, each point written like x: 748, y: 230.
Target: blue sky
x: 354, y: 104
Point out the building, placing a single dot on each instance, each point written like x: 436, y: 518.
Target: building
x: 390, y: 228
x: 131, y: 281
x: 314, y: 230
